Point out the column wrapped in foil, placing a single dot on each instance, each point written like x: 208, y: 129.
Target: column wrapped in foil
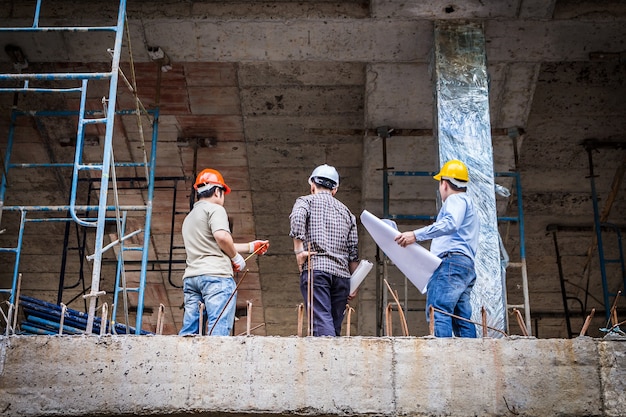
x: 463, y: 131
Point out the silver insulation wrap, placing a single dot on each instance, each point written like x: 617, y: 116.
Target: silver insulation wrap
x: 463, y: 131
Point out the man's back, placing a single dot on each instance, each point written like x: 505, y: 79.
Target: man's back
x: 330, y: 228
x: 204, y: 255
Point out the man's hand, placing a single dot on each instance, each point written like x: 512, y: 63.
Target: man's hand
x: 302, y: 257
x: 259, y: 246
x: 405, y: 239
x: 238, y: 263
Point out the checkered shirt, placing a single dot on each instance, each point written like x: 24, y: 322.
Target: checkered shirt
x: 329, y: 226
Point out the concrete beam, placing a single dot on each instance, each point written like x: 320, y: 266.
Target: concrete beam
x: 164, y: 375
x: 398, y: 40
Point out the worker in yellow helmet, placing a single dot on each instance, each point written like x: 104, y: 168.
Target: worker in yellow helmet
x: 454, y: 237
x: 212, y: 257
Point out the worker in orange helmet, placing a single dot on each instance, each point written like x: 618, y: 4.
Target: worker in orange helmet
x: 454, y: 237
x: 212, y: 257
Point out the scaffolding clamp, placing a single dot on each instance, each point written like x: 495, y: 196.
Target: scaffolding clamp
x: 94, y: 294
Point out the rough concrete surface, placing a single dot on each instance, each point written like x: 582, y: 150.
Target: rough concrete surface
x: 358, y: 376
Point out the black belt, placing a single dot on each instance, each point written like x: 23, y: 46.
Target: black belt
x: 446, y: 254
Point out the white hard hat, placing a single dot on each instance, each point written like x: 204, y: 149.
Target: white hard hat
x: 325, y: 172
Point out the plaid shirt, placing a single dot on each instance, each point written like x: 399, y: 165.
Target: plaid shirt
x: 329, y: 226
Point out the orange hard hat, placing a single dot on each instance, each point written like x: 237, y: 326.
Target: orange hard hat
x: 211, y: 177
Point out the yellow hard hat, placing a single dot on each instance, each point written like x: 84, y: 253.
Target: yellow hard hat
x: 453, y: 169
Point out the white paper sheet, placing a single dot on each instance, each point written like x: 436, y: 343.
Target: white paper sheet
x: 415, y: 261
x: 359, y: 274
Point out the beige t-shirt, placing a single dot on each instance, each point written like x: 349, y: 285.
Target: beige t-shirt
x: 204, y: 256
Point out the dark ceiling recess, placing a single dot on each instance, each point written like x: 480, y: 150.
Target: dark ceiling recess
x: 449, y: 9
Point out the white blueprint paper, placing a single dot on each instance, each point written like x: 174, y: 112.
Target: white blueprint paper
x: 359, y: 274
x: 415, y: 261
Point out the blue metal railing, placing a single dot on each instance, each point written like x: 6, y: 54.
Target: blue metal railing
x: 107, y: 119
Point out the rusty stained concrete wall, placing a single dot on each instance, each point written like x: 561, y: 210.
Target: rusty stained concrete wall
x: 357, y: 376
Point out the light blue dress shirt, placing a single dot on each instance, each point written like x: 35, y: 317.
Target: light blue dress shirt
x: 456, y: 228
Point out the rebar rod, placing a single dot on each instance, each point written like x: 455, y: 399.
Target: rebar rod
x: 405, y: 327
x: 228, y: 301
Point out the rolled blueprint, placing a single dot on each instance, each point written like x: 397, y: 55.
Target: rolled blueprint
x: 359, y: 274
x: 415, y: 261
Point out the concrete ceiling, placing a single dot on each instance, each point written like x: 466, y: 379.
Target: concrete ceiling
x: 267, y: 90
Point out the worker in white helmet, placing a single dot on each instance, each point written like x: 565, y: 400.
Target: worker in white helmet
x: 325, y: 225
x: 212, y: 259
x: 455, y: 240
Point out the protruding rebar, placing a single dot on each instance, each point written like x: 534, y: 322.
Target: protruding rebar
x: 62, y: 320
x: 103, y: 319
x: 300, y: 318
x: 587, y: 322
x: 160, y: 319
x: 520, y: 322
x: 248, y: 316
x: 405, y: 327
x: 200, y: 317
x: 349, y: 311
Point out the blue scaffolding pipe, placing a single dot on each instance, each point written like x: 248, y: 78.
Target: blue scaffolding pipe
x: 46, y: 113
x: 409, y: 217
x: 69, y: 165
x: 7, y: 160
x: 17, y: 251
x: 412, y: 173
x: 77, y: 29
x: 119, y: 274
x: 107, y: 163
x: 67, y: 208
x: 78, y: 157
x: 59, y: 76
x: 36, y: 28
x: 54, y: 313
x: 597, y: 221
x: 148, y: 224
x: 39, y: 90
x: 520, y: 210
x: 519, y: 218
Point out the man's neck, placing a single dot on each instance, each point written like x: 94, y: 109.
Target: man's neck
x: 213, y: 199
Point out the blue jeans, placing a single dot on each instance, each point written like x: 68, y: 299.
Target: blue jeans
x: 449, y: 290
x: 330, y: 296
x: 214, y: 292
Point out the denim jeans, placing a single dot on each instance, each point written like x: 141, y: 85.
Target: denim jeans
x: 330, y: 296
x: 449, y: 290
x: 214, y: 293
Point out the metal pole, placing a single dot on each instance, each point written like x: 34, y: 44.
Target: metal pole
x: 106, y: 166
x: 598, y: 229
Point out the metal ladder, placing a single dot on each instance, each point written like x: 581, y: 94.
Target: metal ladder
x: 519, y: 219
x: 105, y: 168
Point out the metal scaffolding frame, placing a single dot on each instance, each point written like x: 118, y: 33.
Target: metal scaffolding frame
x: 106, y: 168
x: 600, y: 229
x: 518, y: 219
x: 600, y: 219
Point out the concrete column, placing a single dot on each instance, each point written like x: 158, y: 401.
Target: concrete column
x: 463, y: 131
